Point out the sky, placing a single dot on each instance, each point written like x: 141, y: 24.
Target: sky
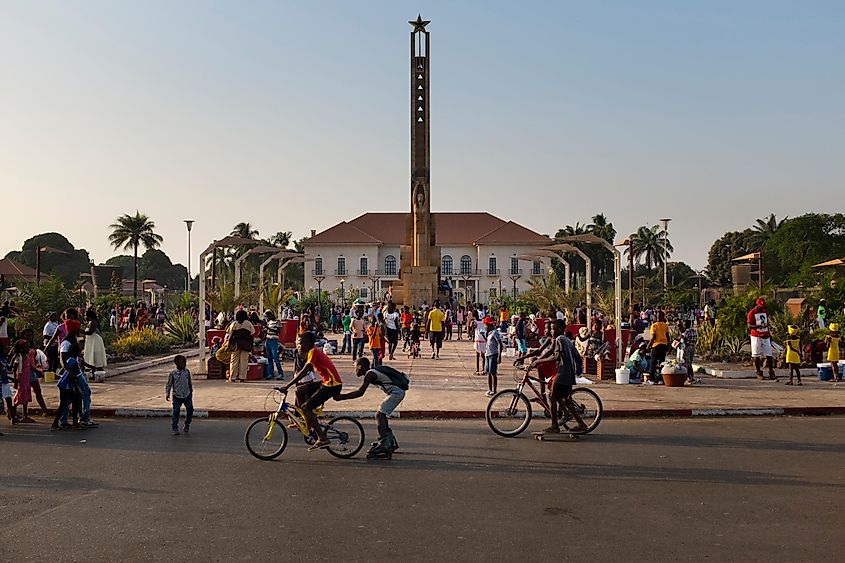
x: 295, y: 115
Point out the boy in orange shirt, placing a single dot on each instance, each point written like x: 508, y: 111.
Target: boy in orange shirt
x: 330, y: 388
x: 375, y: 336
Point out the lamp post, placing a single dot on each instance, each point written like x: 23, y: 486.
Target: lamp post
x: 319, y: 279
x: 342, y: 293
x: 374, y: 277
x: 642, y: 279
x: 189, y: 223
x: 666, y: 257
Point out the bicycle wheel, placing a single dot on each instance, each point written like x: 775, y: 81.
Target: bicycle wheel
x: 346, y: 436
x: 508, y: 413
x: 272, y: 400
x: 590, y: 409
x: 258, y: 443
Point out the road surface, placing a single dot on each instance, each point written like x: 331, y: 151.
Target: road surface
x: 721, y: 489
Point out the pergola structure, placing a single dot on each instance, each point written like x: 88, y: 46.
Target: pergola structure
x: 566, y: 248
x: 225, y: 242
x: 292, y: 258
x: 530, y: 257
x: 590, y: 238
x: 255, y: 250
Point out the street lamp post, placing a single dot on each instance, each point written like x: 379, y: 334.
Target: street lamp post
x: 374, y: 277
x: 666, y: 256
x: 342, y: 293
x: 319, y: 279
x: 189, y: 223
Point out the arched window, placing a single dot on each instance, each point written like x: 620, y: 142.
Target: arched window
x: 446, y: 266
x: 389, y: 265
x: 466, y: 265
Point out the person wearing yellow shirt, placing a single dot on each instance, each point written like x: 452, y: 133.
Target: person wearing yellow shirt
x: 793, y: 353
x: 659, y: 345
x: 832, y: 341
x: 434, y: 324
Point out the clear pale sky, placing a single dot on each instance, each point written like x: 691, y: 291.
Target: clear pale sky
x: 295, y: 115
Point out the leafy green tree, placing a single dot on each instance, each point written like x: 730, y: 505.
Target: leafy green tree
x: 720, y: 257
x: 67, y: 264
x: 156, y: 265
x: 801, y: 242
x: 131, y: 232
x: 35, y: 301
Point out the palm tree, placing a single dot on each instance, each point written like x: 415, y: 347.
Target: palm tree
x: 569, y: 230
x: 652, y: 244
x: 763, y: 229
x: 244, y: 230
x: 602, y: 228
x: 130, y: 232
x: 281, y: 239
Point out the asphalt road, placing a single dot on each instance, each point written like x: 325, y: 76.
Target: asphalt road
x: 718, y: 489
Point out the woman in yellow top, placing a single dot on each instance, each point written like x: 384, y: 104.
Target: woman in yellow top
x: 659, y: 345
x: 793, y: 353
x: 832, y: 340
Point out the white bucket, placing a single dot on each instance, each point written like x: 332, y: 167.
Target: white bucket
x: 623, y: 376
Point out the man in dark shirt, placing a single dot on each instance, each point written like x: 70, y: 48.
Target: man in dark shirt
x: 560, y: 387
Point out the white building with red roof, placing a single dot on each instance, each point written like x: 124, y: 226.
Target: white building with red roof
x: 481, y: 255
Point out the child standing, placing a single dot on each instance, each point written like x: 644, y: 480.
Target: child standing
x: 5, y: 390
x: 374, y: 335
x: 832, y: 341
x: 495, y: 342
x: 793, y: 353
x: 23, y: 372
x: 480, y: 342
x: 179, y: 381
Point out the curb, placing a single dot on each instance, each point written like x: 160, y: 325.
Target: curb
x: 137, y: 366
x: 445, y: 414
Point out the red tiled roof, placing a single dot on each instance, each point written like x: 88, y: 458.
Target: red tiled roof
x: 459, y: 228
x: 343, y: 233
x: 512, y: 233
x: 12, y: 270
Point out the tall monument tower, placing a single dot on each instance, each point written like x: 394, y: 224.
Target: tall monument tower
x: 421, y: 259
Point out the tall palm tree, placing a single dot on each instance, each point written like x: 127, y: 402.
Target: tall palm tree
x: 281, y: 239
x: 130, y: 232
x: 569, y: 230
x: 652, y: 244
x: 244, y: 230
x: 602, y: 228
x: 763, y: 229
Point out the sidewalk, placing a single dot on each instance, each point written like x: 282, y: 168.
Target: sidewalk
x: 449, y: 388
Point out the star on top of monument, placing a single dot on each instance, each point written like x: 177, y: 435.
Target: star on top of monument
x: 419, y: 24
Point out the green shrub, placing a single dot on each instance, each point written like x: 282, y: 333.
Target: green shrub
x: 181, y: 328
x: 141, y: 342
x: 34, y: 301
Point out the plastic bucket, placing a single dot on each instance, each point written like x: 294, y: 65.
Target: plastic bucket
x: 623, y: 376
x: 824, y: 372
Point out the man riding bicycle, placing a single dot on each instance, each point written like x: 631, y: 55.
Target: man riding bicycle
x: 316, y: 360
x: 565, y: 355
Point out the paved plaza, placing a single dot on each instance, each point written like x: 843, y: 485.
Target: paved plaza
x: 449, y: 385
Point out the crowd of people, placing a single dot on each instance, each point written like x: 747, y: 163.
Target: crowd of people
x: 24, y: 362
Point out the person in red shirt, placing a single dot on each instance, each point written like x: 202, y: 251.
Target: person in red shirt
x: 330, y: 388
x: 407, y: 319
x: 761, y: 342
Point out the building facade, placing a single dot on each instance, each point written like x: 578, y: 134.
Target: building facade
x: 481, y: 256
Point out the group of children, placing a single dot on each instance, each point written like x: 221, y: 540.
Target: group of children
x: 793, y: 352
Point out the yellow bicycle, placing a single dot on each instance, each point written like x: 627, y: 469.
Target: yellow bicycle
x: 267, y: 437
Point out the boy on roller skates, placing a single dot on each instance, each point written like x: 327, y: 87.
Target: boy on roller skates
x: 394, y: 384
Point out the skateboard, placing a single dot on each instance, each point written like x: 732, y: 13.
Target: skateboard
x: 562, y: 437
